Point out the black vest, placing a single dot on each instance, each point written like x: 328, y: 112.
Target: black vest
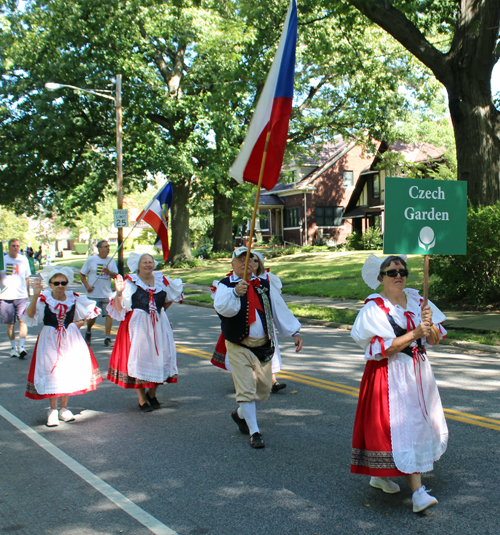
x: 235, y: 329
x: 50, y: 319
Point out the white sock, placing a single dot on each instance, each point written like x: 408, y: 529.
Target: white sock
x: 248, y: 410
x: 21, y: 343
x: 13, y: 344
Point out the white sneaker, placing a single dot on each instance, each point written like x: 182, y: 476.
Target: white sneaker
x: 53, y: 418
x: 14, y: 352
x: 385, y: 484
x: 66, y: 415
x: 422, y: 500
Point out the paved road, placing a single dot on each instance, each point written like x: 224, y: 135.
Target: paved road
x: 186, y: 469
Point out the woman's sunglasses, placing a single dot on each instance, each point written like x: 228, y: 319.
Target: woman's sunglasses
x: 57, y: 283
x: 395, y: 272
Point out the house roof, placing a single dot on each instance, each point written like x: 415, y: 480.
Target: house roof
x: 267, y: 199
x: 421, y: 152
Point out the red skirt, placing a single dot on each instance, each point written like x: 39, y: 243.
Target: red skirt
x: 219, y: 355
x: 118, y: 363
x: 371, y: 442
x: 31, y: 392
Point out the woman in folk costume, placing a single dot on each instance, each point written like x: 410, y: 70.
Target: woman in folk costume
x: 144, y: 354
x: 220, y: 358
x: 63, y: 364
x: 400, y: 428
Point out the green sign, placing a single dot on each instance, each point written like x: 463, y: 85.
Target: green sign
x: 1, y: 256
x: 425, y: 216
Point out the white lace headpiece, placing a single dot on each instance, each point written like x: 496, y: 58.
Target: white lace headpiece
x: 134, y: 260
x: 51, y: 270
x: 371, y: 269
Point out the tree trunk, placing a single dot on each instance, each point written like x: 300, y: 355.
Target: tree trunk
x: 181, y: 244
x: 223, y: 222
x: 465, y: 71
x: 476, y: 126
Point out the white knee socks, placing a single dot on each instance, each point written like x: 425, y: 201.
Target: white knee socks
x: 248, y: 410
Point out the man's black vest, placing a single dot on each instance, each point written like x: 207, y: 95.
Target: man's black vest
x: 236, y: 329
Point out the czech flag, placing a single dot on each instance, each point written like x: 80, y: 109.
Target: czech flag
x: 156, y: 214
x: 271, y: 115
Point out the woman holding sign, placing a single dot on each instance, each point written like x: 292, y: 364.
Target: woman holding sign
x: 400, y: 428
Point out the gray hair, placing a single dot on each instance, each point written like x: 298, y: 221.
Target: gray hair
x: 100, y: 242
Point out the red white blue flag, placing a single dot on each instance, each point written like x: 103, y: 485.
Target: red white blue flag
x: 271, y: 115
x: 156, y: 214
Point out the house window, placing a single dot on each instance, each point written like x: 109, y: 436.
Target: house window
x: 348, y: 179
x: 263, y: 219
x: 329, y: 216
x: 376, y: 185
x: 292, y: 217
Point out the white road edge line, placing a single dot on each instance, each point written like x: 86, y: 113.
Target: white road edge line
x: 147, y: 520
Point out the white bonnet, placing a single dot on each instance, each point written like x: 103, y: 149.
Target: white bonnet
x: 134, y: 259
x: 371, y: 269
x: 49, y: 271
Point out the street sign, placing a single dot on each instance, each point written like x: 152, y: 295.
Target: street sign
x: 425, y: 217
x: 121, y: 218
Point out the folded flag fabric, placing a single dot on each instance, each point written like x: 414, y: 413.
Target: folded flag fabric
x: 271, y: 115
x: 156, y: 215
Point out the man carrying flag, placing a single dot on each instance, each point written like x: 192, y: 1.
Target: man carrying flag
x: 249, y: 309
x: 249, y: 312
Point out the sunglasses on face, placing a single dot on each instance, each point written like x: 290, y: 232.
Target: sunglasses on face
x: 57, y: 283
x: 395, y: 272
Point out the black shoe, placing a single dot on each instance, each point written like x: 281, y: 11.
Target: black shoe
x: 88, y: 337
x: 145, y: 408
x: 277, y: 387
x: 256, y: 441
x: 107, y: 342
x: 155, y: 404
x: 241, y: 422
x: 22, y: 353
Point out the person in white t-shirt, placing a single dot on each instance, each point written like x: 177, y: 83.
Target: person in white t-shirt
x: 14, y: 296
x: 96, y: 275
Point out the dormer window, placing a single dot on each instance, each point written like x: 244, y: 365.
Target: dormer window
x: 348, y: 179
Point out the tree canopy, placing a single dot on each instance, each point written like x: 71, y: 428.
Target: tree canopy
x: 192, y: 75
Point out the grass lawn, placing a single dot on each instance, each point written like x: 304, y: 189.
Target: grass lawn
x: 335, y: 275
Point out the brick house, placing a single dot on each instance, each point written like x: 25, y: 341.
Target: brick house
x: 337, y: 192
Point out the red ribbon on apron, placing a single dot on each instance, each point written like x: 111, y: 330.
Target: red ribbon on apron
x: 60, y: 329
x: 153, y: 314
x: 418, y: 358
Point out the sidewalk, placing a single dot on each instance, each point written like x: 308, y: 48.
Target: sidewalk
x: 485, y: 321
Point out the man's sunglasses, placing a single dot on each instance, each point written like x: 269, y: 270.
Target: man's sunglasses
x: 395, y: 272
x: 57, y: 283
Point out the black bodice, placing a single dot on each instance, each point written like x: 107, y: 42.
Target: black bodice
x: 140, y: 299
x: 50, y: 318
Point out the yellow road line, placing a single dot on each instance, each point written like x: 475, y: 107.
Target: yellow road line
x: 472, y: 419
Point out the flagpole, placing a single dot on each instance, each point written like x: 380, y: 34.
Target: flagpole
x: 426, y: 279
x: 256, y: 205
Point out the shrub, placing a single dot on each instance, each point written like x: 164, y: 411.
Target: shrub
x: 372, y: 239
x: 283, y: 251
x: 474, y: 277
x: 275, y: 241
x: 81, y: 248
x: 203, y: 250
x: 354, y: 242
x: 186, y: 264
